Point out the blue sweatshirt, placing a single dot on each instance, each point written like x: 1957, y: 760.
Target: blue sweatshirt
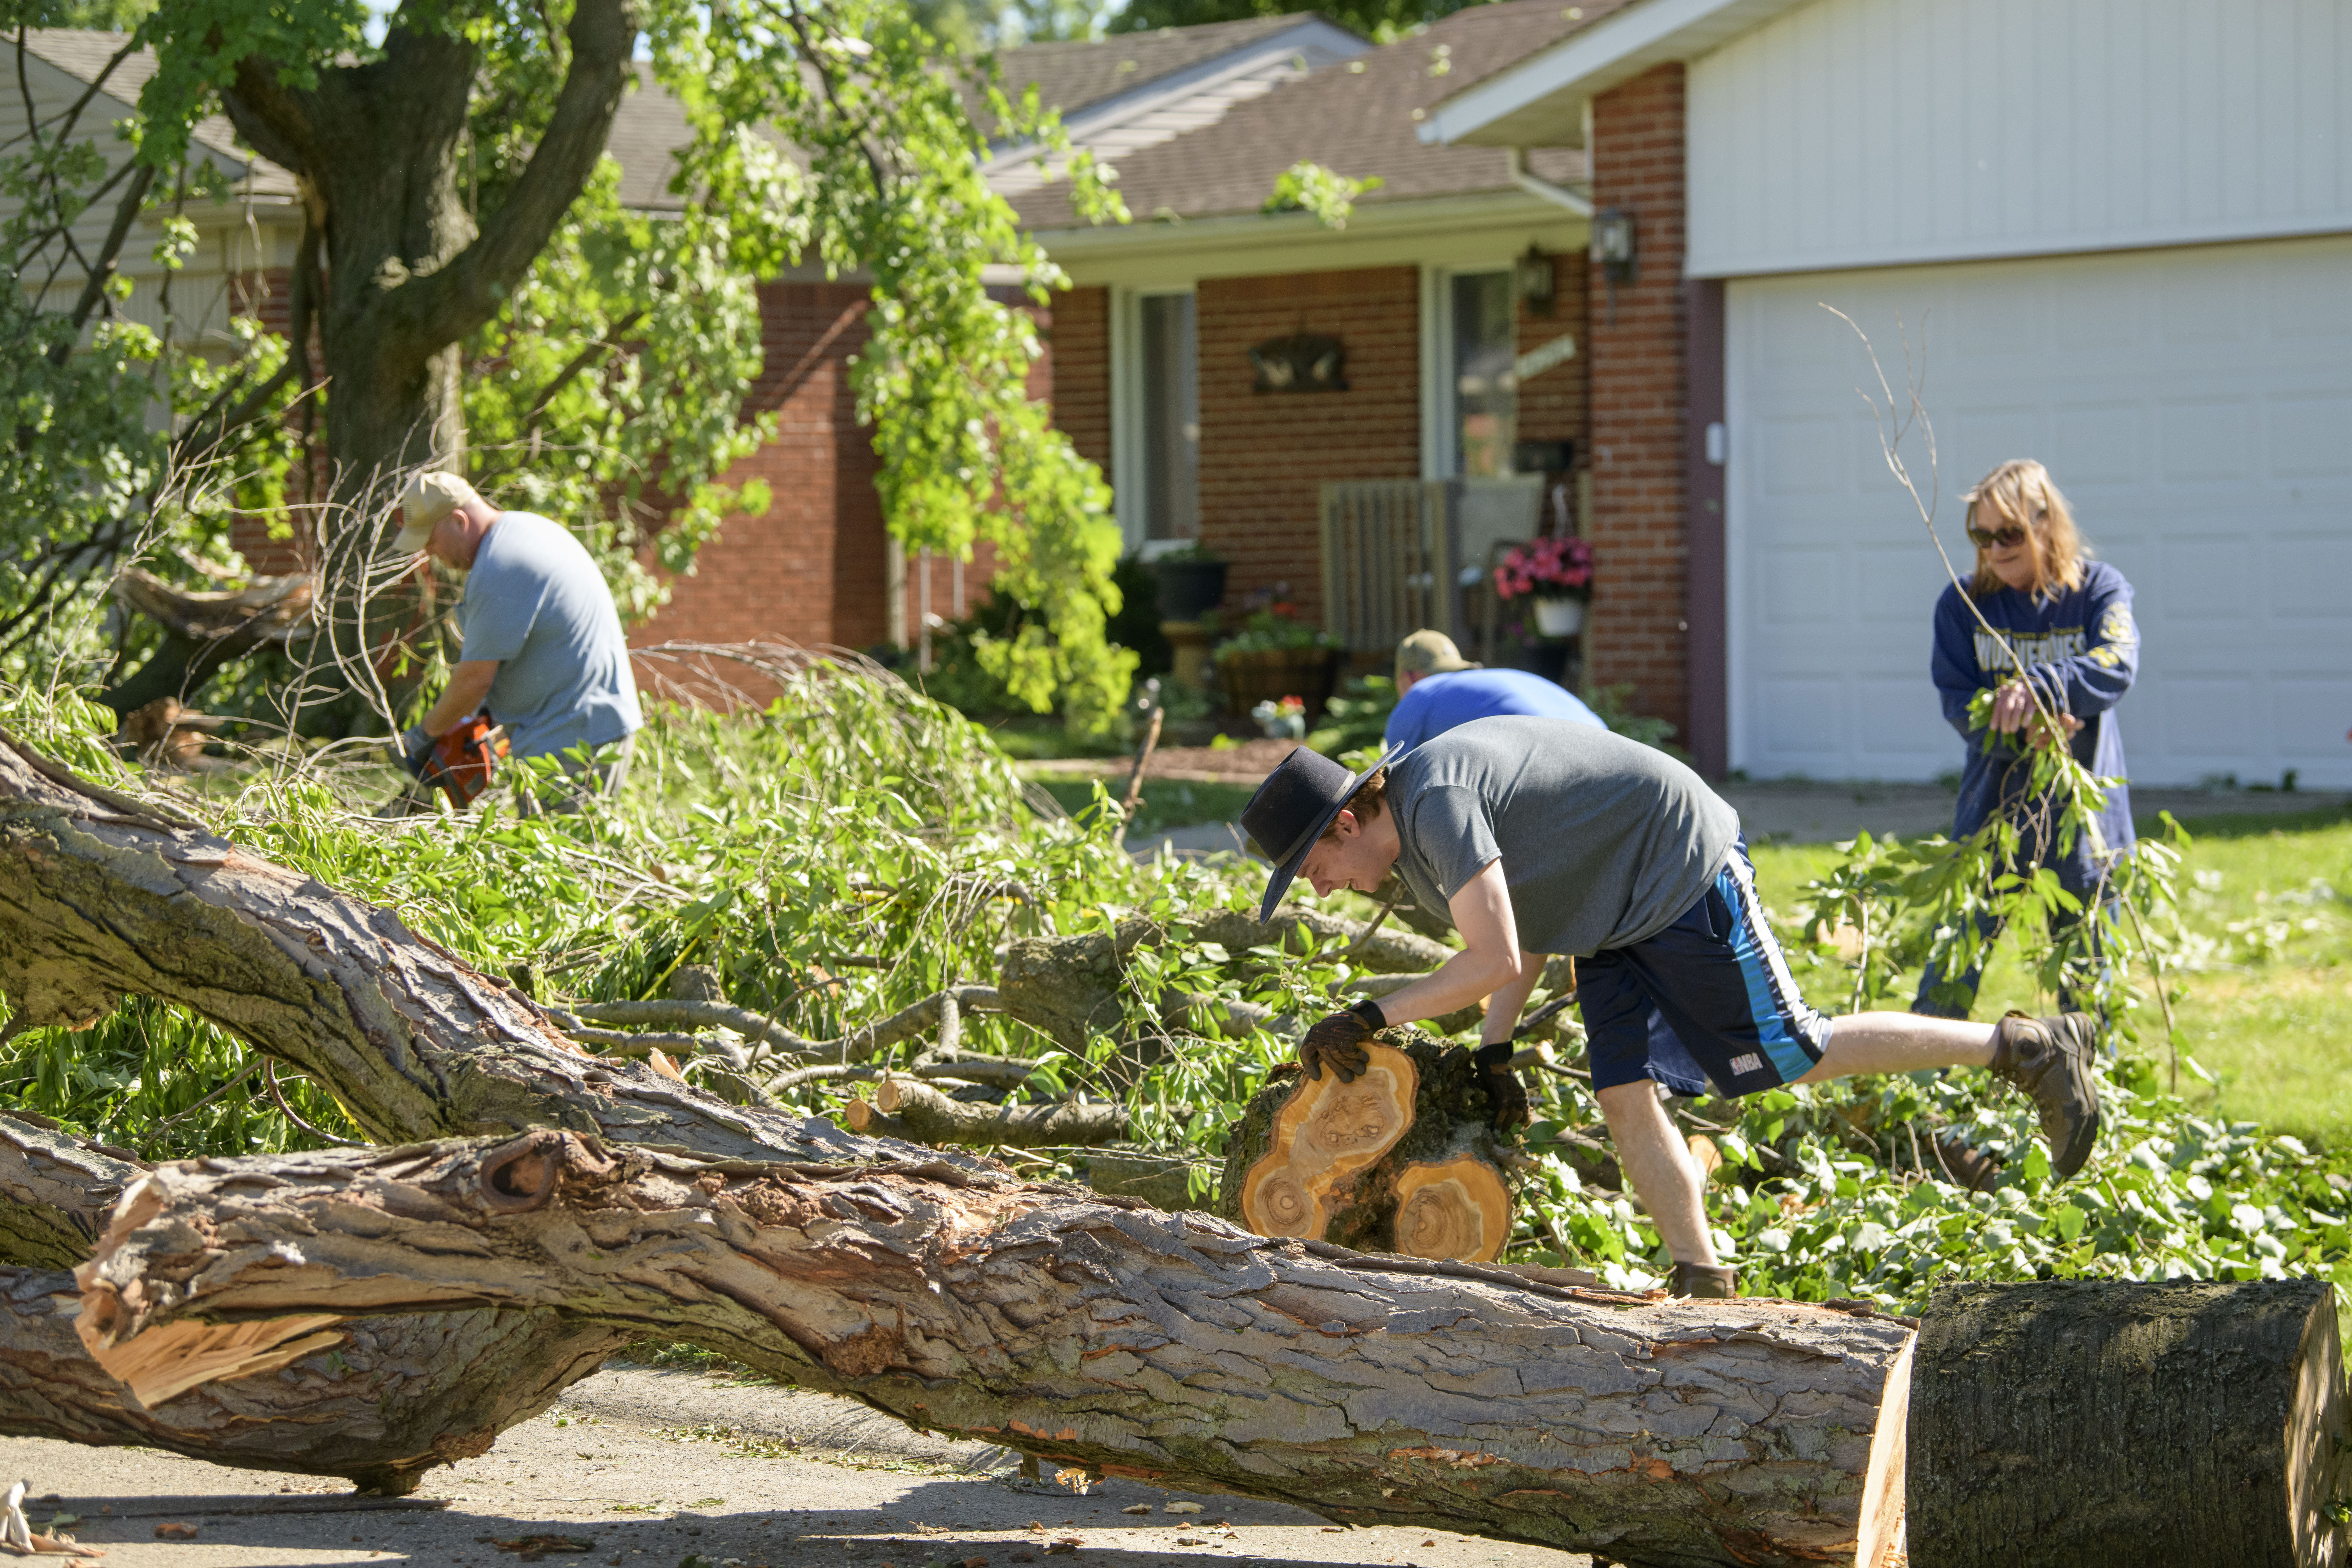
x: 2080, y: 650
x: 1447, y: 702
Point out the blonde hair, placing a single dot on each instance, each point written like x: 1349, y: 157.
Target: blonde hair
x: 2019, y: 492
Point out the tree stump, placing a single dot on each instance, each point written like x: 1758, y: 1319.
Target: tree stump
x: 2089, y: 1422
x: 1402, y: 1160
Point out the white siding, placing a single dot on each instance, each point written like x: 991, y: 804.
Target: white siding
x: 1867, y: 133
x: 2194, y: 405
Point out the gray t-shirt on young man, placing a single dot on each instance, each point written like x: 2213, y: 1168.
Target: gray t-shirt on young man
x: 1604, y: 841
x: 535, y: 602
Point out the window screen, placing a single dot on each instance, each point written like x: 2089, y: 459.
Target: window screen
x: 1485, y: 387
x: 1172, y: 418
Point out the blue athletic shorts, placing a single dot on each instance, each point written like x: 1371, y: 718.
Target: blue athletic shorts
x: 1709, y: 998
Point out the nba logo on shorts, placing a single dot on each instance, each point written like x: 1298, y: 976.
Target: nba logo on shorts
x: 1741, y: 1066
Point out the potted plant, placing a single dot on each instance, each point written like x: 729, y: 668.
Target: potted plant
x: 1191, y: 582
x: 1274, y: 657
x: 1557, y: 574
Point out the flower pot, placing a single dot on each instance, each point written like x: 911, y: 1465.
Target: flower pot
x: 1188, y: 589
x: 1560, y: 617
x: 1269, y: 675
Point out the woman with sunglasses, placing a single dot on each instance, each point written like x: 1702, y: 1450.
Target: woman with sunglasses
x: 2067, y: 619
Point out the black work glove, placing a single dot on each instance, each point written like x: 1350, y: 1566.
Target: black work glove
x: 416, y: 753
x: 1337, y: 1041
x: 1507, y: 1097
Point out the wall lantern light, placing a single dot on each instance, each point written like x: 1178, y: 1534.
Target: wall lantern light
x: 1612, y: 250
x: 1535, y: 281
x: 1613, y: 243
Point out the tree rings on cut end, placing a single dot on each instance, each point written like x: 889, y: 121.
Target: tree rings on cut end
x: 1456, y: 1208
x: 1324, y: 1133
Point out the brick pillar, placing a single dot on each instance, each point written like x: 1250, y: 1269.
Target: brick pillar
x: 1641, y: 404
x: 1079, y: 345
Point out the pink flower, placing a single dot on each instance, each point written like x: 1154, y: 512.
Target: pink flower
x: 1547, y: 568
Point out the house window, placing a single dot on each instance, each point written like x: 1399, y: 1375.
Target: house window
x: 1483, y: 349
x: 1169, y: 413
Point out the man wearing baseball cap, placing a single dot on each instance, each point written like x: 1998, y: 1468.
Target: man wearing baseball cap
x: 1541, y: 838
x: 1438, y: 690
x: 543, y: 647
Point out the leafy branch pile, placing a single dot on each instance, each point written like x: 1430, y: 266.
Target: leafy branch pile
x: 856, y: 848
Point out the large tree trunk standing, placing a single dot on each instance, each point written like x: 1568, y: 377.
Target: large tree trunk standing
x: 406, y: 277
x: 1174, y: 1348
x: 2111, y: 1424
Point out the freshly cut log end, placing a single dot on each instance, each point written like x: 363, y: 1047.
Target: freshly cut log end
x: 1324, y: 1134
x: 2091, y: 1422
x: 1402, y: 1160
x: 1456, y: 1208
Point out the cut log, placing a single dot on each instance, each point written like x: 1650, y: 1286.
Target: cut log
x: 102, y: 895
x: 1175, y: 1348
x: 1402, y: 1160
x: 932, y: 1118
x: 2097, y: 1423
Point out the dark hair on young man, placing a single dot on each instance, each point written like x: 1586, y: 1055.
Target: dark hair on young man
x: 1371, y: 798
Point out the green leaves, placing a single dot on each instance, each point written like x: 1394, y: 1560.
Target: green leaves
x: 1328, y: 197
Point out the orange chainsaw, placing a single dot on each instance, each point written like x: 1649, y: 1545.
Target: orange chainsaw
x: 461, y: 763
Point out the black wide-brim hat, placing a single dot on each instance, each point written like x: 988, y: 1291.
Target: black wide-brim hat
x: 1290, y: 810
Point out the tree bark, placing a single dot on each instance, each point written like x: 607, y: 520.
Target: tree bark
x: 2090, y: 1424
x: 407, y: 276
x: 99, y: 896
x: 382, y: 1403
x: 932, y: 1118
x: 1403, y: 1160
x: 394, y: 1396
x: 1173, y: 1348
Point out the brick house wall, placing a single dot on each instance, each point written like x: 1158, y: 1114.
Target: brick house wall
x: 1641, y: 404
x: 1265, y: 457
x: 811, y: 570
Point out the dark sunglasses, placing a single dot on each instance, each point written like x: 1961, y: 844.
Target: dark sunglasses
x: 1985, y: 539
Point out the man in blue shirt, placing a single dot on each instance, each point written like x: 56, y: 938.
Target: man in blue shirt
x: 542, y: 651
x: 1438, y: 690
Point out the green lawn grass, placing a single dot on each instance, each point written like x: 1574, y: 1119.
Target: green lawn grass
x: 2269, y: 1009
x: 1166, y: 803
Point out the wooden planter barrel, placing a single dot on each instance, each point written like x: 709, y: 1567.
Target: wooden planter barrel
x: 1270, y: 674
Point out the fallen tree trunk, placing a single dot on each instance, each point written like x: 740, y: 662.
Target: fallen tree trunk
x: 102, y: 895
x: 392, y: 1397
x: 1173, y: 1348
x: 381, y: 1401
x: 1402, y: 1160
x: 2109, y: 1424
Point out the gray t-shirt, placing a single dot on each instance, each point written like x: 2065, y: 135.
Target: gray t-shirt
x: 535, y: 602
x: 1604, y: 841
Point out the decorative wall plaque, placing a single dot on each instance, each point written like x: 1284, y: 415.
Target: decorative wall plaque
x: 1305, y: 361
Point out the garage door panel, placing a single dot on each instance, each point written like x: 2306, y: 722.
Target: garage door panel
x: 2211, y: 719
x: 1802, y: 717
x: 2202, y: 580
x: 2311, y: 574
x: 1902, y: 725
x: 2308, y: 436
x: 2308, y: 715
x: 2203, y: 440
x: 2196, y: 406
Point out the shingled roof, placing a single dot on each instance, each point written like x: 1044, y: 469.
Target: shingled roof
x: 83, y: 54
x: 1358, y: 119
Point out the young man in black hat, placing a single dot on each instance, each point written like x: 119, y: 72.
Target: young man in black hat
x: 1541, y: 836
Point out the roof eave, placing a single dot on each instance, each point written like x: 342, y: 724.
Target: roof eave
x: 1539, y: 103
x: 1239, y: 230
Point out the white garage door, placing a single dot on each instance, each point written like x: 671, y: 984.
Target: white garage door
x: 2194, y: 405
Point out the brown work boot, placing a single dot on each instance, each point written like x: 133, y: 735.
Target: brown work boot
x: 1705, y: 1282
x: 2055, y: 1062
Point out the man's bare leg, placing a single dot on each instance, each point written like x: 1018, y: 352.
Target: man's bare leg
x: 1900, y: 1042
x: 1658, y: 1163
